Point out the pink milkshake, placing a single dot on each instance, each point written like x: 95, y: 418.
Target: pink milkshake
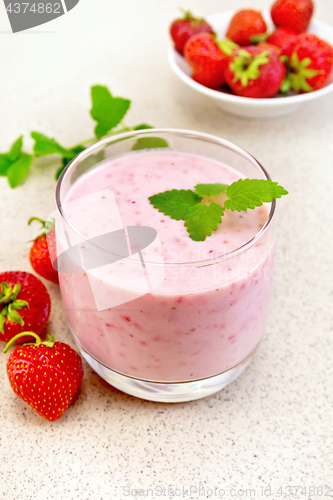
x: 208, y: 314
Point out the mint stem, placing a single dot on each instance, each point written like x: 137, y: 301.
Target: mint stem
x: 92, y: 140
x: 42, y: 222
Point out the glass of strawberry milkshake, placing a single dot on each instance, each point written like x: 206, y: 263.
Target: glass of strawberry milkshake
x: 155, y: 313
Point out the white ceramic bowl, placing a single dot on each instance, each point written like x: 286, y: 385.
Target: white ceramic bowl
x: 246, y: 106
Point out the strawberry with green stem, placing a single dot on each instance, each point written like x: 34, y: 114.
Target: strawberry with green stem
x: 292, y: 14
x: 46, y: 375
x: 255, y: 72
x: 40, y: 251
x: 247, y: 26
x: 208, y: 59
x: 24, y: 305
x: 183, y: 28
x: 310, y: 64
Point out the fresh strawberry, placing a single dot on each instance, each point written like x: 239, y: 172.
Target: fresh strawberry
x: 292, y: 14
x: 281, y: 37
x: 245, y: 26
x: 270, y: 48
x: 46, y: 375
x: 40, y: 251
x: 207, y: 60
x: 24, y: 305
x: 310, y: 63
x: 182, y: 29
x: 254, y: 72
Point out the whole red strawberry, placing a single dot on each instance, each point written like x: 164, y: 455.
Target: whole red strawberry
x: 46, y: 375
x: 206, y: 59
x: 282, y: 37
x: 182, y: 29
x: 254, y: 72
x: 24, y: 305
x: 292, y: 14
x: 310, y: 63
x: 245, y: 25
x: 40, y: 251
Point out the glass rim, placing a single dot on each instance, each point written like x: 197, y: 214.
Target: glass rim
x: 109, y: 140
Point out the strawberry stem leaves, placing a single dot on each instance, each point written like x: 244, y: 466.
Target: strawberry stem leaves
x: 227, y: 46
x: 47, y: 225
x: 299, y: 73
x: 8, y: 297
x: 246, y: 66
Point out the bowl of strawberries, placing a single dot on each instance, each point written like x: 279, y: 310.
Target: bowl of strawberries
x: 255, y: 64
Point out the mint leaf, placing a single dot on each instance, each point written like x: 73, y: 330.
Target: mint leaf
x: 175, y: 203
x: 202, y: 220
x: 4, y: 164
x: 150, y: 143
x: 15, y: 149
x: 107, y: 111
x: 6, y: 159
x: 142, y: 126
x: 251, y: 193
x: 210, y: 189
x: 48, y: 146
x: 65, y: 161
x: 19, y: 169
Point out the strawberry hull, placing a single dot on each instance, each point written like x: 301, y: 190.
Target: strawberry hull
x: 34, y: 315
x: 260, y: 81
x: 310, y: 62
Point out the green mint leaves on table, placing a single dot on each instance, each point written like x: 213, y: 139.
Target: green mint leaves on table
x: 15, y: 163
x: 108, y: 112
x: 201, y: 219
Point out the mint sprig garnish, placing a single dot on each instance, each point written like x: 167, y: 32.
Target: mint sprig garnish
x: 201, y: 218
x: 107, y: 111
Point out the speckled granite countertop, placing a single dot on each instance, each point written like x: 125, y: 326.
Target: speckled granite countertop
x: 271, y: 428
